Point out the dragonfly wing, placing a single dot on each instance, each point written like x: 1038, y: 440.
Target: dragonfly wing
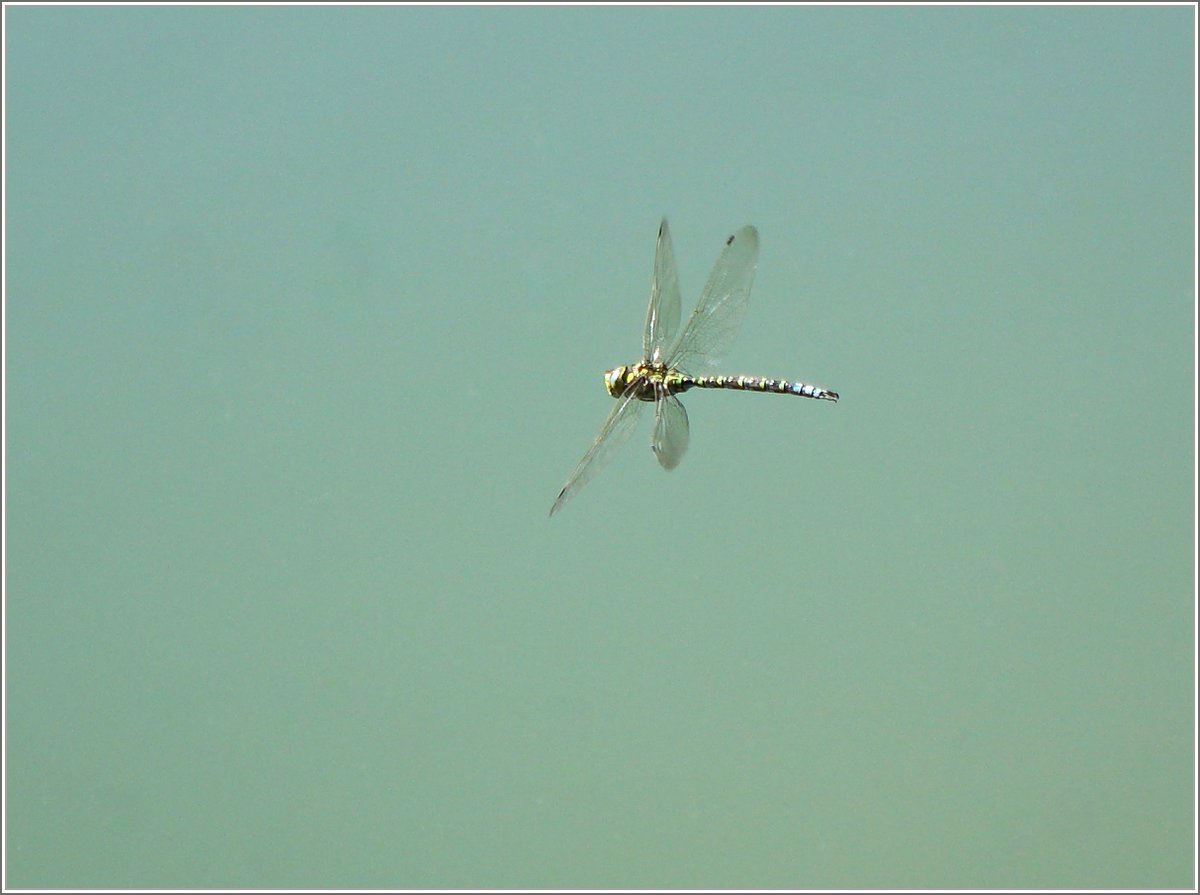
x: 714, y: 324
x: 614, y: 433
x: 670, y: 431
x: 662, y: 317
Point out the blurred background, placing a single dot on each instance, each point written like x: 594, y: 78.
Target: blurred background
x: 307, y: 314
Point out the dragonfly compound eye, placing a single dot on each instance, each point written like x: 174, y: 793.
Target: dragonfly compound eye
x: 616, y: 381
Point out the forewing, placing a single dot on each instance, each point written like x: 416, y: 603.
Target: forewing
x: 662, y: 317
x: 714, y: 324
x: 670, y: 431
x: 614, y: 433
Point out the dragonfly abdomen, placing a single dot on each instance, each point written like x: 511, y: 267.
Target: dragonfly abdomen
x: 759, y: 384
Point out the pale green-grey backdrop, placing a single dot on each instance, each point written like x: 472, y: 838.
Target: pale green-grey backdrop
x: 307, y: 311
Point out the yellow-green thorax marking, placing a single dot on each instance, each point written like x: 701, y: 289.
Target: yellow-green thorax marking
x: 650, y: 380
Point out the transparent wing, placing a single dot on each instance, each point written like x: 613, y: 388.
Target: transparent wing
x: 670, y: 431
x: 614, y: 433
x: 714, y: 324
x: 662, y: 317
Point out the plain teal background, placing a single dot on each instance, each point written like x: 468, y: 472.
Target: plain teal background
x: 307, y: 311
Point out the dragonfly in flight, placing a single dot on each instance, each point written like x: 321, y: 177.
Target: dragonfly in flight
x: 671, y: 366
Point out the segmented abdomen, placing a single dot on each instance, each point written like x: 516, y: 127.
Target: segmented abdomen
x: 759, y: 384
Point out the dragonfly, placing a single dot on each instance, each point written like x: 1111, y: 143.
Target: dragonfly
x: 671, y: 366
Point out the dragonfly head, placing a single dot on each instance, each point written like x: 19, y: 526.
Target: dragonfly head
x: 616, y: 380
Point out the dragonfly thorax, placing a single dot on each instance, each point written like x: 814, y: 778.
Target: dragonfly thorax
x: 647, y: 379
